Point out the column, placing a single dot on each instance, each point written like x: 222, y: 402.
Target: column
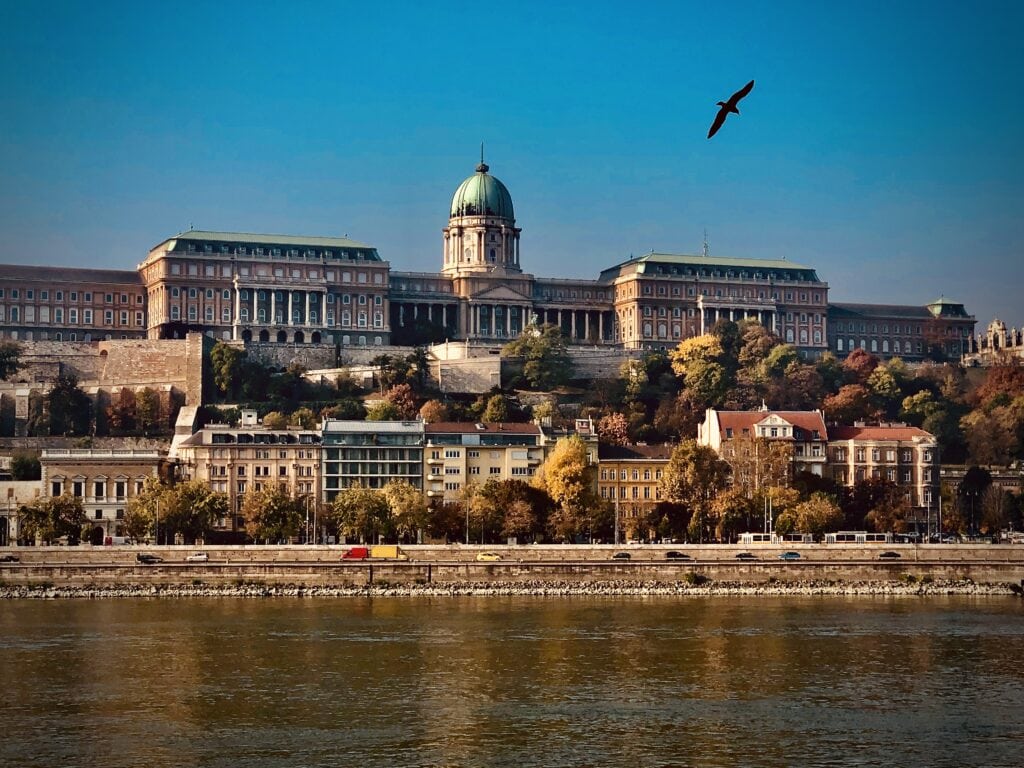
x: 307, y: 308
x: 401, y: 315
x: 444, y: 315
x: 238, y: 308
x: 558, y: 314
x: 586, y: 326
x: 508, y: 321
x: 600, y: 326
x: 255, y: 304
x: 572, y: 325
x: 288, y: 320
x: 273, y: 307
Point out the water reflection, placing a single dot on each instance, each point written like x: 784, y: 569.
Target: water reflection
x: 525, y: 681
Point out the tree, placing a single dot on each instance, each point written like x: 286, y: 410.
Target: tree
x: 851, y: 403
x: 497, y: 409
x: 10, y: 363
x: 68, y: 407
x: 304, y: 418
x: 275, y: 420
x: 694, y: 475
x: 271, y: 515
x: 730, y: 513
x: 546, y: 361
x: 867, y: 495
x: 121, y: 412
x: 25, y: 466
x: 362, y: 513
x: 408, y: 509
x: 858, y: 366
x: 613, y: 429
x: 405, y: 401
x: 189, y: 509
x: 227, y: 364
x: 520, y: 520
x: 820, y: 513
x: 434, y: 411
x: 147, y: 410
x: 757, y: 462
x: 567, y: 478
x: 48, y: 519
x: 382, y: 410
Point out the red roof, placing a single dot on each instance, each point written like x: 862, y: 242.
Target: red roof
x: 489, y: 428
x: 737, y: 421
x: 878, y: 433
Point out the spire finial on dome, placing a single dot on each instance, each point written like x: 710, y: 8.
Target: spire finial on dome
x: 483, y: 167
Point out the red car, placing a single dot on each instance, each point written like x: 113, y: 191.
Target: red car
x: 357, y: 553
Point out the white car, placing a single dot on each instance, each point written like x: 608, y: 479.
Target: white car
x: 198, y: 557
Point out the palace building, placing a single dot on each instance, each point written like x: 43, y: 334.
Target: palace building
x: 258, y: 288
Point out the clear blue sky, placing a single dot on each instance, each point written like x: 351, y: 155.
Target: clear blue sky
x: 882, y: 143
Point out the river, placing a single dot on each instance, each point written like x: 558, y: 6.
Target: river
x: 517, y: 681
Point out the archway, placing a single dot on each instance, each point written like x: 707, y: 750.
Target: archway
x: 96, y: 536
x: 315, y: 338
x: 264, y: 335
x: 300, y: 337
x: 4, y: 532
x: 246, y: 335
x: 282, y: 337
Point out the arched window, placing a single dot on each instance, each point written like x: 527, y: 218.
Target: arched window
x: 874, y: 345
x: 885, y: 345
x: 839, y: 345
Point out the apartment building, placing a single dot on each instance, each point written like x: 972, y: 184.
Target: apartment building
x: 70, y: 304
x: 371, y: 454
x: 244, y: 459
x: 805, y: 431
x: 458, y: 454
x: 629, y: 476
x: 105, y: 481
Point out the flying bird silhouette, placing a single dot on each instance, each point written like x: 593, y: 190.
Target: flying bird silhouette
x: 729, y: 106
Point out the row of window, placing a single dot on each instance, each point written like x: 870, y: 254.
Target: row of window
x: 29, y: 294
x: 898, y: 348
x: 77, y: 488
x: 209, y: 270
x: 860, y: 455
x: 636, y: 492
x: 609, y: 474
x: 258, y: 250
x: 28, y: 315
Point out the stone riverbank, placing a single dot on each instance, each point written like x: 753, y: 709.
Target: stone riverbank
x: 625, y: 588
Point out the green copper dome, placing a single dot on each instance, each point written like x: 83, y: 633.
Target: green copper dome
x: 482, y: 195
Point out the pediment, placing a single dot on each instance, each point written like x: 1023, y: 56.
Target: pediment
x: 774, y: 420
x: 501, y: 294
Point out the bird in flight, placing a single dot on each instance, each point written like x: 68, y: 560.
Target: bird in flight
x: 729, y: 106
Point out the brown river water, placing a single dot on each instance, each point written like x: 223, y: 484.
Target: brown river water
x: 516, y: 681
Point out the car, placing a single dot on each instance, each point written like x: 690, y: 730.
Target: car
x: 673, y: 555
x: 198, y: 557
x: 148, y: 559
x: 487, y: 557
x: 10, y: 559
x: 790, y: 556
x: 356, y: 553
x: 745, y: 556
x: 889, y: 555
x: 621, y: 556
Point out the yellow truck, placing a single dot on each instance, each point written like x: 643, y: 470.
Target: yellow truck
x: 388, y: 552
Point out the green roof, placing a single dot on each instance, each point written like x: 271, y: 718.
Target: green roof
x: 482, y: 195
x: 711, y: 262
x: 247, y: 238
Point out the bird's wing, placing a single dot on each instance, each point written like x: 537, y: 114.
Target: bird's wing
x: 741, y: 93
x: 719, y: 119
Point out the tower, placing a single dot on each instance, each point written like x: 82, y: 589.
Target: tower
x: 481, y: 236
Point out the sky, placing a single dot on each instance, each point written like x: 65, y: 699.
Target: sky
x: 881, y: 145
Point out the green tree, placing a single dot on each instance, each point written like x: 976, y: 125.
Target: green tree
x: 362, y: 513
x: 382, y: 410
x: 48, y: 519
x: 497, y: 409
x: 546, y: 361
x: 25, y: 466
x: 228, y: 365
x: 271, y: 515
x: 68, y: 407
x: 147, y: 410
x: 10, y: 362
